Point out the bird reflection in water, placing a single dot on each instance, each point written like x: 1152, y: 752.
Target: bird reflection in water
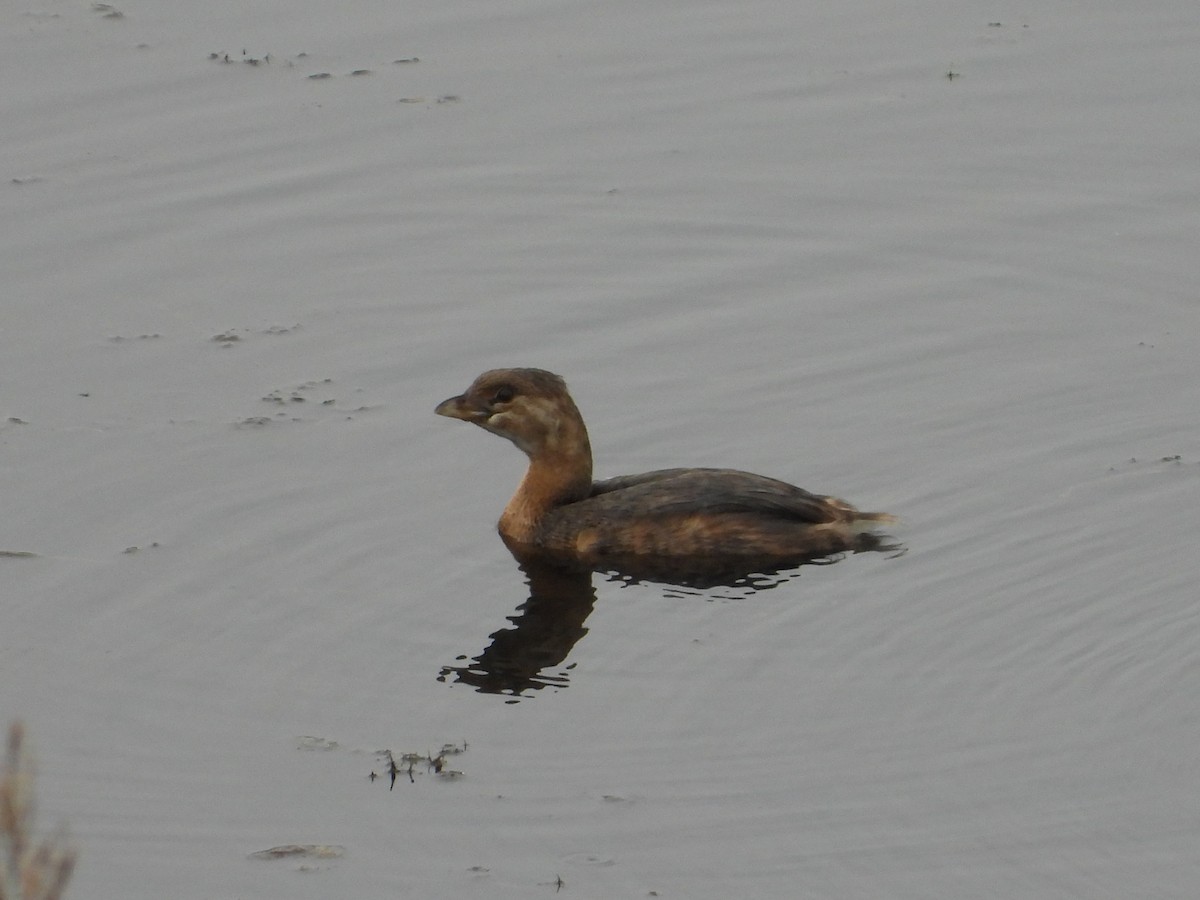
x: 531, y: 654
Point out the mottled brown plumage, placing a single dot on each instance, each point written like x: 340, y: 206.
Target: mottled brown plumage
x: 666, y: 513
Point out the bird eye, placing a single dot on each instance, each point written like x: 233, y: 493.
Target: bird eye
x: 503, y: 394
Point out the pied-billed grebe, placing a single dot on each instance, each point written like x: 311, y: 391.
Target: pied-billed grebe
x: 665, y: 513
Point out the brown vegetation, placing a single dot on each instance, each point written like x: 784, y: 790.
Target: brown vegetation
x: 28, y: 871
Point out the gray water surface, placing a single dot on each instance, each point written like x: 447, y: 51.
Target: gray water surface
x: 763, y: 236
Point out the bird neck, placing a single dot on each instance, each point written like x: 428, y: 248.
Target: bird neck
x: 556, y: 476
